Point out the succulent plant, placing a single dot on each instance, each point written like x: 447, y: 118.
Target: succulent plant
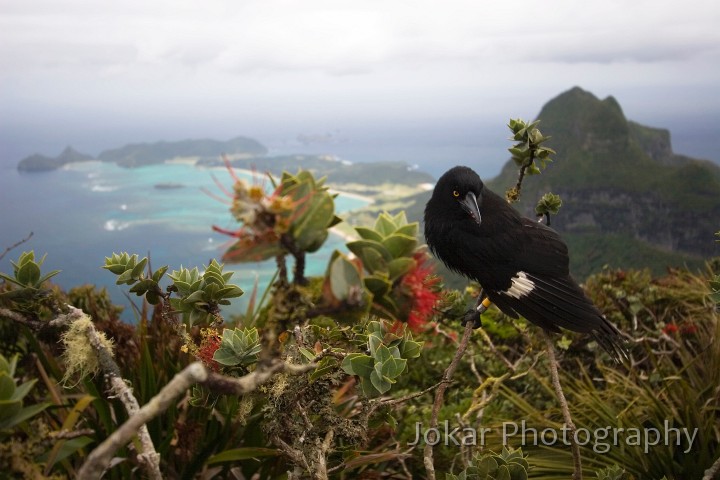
x: 200, y: 295
x: 27, y: 276
x: 507, y: 465
x: 614, y: 472
x: 387, y: 359
x: 295, y: 217
x: 386, y: 252
x: 238, y: 347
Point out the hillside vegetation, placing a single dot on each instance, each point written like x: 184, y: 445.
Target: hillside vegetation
x: 628, y: 199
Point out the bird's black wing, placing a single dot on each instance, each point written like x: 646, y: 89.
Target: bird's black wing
x: 539, y: 287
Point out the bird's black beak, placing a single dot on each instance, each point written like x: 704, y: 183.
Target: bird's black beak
x: 470, y: 205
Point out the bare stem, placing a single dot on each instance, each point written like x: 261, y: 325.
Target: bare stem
x: 574, y: 448
x: 440, y: 395
x: 713, y: 473
x: 15, y: 245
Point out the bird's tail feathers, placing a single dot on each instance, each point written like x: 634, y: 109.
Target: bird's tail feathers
x: 612, y: 341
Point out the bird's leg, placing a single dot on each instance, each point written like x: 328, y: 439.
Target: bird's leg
x: 473, y: 315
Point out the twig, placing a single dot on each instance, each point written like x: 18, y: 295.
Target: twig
x: 34, y: 325
x: 70, y: 434
x: 377, y: 403
x: 149, y: 457
x: 574, y: 448
x: 521, y: 175
x: 713, y: 473
x: 98, y: 460
x: 439, y: 396
x: 15, y: 245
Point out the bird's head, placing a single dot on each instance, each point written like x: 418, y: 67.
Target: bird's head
x: 457, y: 193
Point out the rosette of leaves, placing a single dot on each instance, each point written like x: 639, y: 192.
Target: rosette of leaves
x: 549, y: 204
x: 131, y: 271
x: 12, y: 409
x: 387, y: 359
x: 527, y: 153
x: 202, y: 294
x: 239, y: 347
x: 507, y: 465
x: 294, y: 218
x: 613, y: 472
x: 27, y: 276
x: 314, y: 209
x: 386, y: 252
x: 527, y: 150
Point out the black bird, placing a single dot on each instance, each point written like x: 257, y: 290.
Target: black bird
x: 521, y: 264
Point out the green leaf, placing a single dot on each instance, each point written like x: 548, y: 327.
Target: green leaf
x: 378, y: 286
x: 358, y: 246
x: 7, y: 387
x: 195, y: 297
x: 343, y: 276
x: 158, y: 274
x: 28, y: 274
x: 24, y: 414
x: 400, y: 266
x: 245, y: 453
x: 139, y: 268
x: 382, y: 354
x: 384, y: 224
x: 309, y: 354
x: 400, y: 245
x: 381, y: 384
x: 373, y: 261
x: 374, y: 342
x: 358, y: 364
x: 369, y: 234
x: 22, y: 390
x: 126, y: 277
x: 410, y: 349
x: 411, y: 230
x: 503, y: 473
x: 326, y: 365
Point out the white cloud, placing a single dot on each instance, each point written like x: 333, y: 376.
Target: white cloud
x: 390, y: 58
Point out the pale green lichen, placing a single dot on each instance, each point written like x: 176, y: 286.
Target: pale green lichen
x: 244, y: 409
x: 278, y: 387
x: 79, y: 356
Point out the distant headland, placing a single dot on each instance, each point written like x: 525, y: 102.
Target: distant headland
x: 141, y: 154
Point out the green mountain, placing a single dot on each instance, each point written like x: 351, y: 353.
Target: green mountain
x: 139, y: 154
x: 628, y: 199
x: 38, y: 163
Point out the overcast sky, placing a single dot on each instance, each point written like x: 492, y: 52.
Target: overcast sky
x: 140, y: 69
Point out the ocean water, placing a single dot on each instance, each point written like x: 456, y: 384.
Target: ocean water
x: 84, y: 212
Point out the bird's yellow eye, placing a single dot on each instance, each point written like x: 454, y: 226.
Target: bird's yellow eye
x: 456, y: 193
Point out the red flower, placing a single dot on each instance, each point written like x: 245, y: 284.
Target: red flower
x: 688, y: 329
x: 422, y: 287
x: 670, y: 328
x: 208, y: 346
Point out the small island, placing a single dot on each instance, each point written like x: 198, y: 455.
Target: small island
x: 169, y: 186
x: 41, y: 163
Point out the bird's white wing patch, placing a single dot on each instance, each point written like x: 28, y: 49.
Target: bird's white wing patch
x: 521, y: 286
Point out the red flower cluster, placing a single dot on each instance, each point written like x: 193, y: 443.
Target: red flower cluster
x: 208, y: 346
x: 685, y: 328
x: 422, y: 286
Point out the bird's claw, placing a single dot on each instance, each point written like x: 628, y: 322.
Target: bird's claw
x: 473, y: 316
